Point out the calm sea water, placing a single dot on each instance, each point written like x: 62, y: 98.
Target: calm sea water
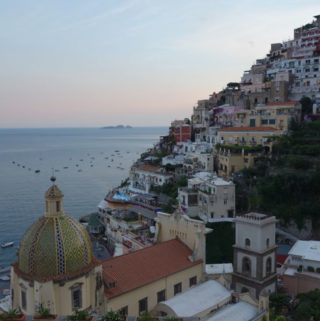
x: 88, y: 177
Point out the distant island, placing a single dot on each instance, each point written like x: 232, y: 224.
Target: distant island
x: 117, y: 127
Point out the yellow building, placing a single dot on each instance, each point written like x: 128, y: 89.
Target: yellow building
x: 230, y: 162
x: 277, y: 114
x: 138, y: 281
x: 247, y: 136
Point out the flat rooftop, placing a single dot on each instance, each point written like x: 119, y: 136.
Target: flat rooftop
x: 307, y: 250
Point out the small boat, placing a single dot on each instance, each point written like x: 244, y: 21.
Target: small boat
x: 37, y: 171
x: 13, y: 162
x: 4, y: 269
x: 23, y: 166
x: 5, y: 278
x: 65, y: 167
x: 7, y: 244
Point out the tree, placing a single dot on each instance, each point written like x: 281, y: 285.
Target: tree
x: 306, y: 106
x: 308, y: 306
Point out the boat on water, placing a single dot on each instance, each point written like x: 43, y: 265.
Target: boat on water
x: 7, y: 244
x: 5, y: 278
x: 37, y: 171
x: 4, y: 269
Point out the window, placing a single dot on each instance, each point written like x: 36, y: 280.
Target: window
x: 272, y: 121
x: 267, y: 242
x: 244, y: 290
x: 193, y: 281
x: 47, y: 206
x: 58, y: 206
x: 123, y: 312
x: 143, y: 305
x: 246, y: 266
x: 161, y: 296
x: 76, y: 298
x: 269, y: 266
x: 247, y: 242
x: 177, y: 288
x: 23, y: 299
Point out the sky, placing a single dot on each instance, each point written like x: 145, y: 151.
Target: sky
x: 91, y: 63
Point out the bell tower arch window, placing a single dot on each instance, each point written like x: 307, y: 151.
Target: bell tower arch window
x: 246, y: 266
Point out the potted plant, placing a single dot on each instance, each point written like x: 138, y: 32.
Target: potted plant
x: 44, y: 314
x: 111, y: 316
x: 13, y: 315
x: 80, y: 316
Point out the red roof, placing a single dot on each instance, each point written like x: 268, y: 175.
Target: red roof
x: 247, y: 129
x: 281, y: 258
x: 136, y: 269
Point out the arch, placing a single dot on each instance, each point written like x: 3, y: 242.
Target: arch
x: 268, y: 266
x: 246, y: 266
x: 247, y: 242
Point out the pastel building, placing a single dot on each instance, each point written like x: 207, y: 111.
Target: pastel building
x: 180, y: 130
x: 216, y: 199
x: 247, y: 136
x: 144, y: 176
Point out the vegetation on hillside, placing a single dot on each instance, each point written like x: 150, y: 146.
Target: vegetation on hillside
x: 288, y: 183
x: 305, y: 307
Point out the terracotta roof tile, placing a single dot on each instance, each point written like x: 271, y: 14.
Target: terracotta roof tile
x: 247, y: 129
x: 133, y: 270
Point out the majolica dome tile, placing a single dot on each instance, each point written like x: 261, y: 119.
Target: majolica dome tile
x: 55, y: 246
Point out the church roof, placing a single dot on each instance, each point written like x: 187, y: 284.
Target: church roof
x: 128, y: 272
x: 56, y: 246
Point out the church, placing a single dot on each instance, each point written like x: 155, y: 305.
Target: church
x: 56, y: 269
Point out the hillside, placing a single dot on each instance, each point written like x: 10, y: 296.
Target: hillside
x: 287, y: 184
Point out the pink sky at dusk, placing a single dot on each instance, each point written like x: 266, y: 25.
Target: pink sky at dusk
x: 143, y: 63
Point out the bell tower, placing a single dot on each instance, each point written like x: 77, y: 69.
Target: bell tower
x: 254, y: 257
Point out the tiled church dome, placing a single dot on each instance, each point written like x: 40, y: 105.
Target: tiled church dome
x: 56, y: 246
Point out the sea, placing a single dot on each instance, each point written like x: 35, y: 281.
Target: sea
x: 87, y: 163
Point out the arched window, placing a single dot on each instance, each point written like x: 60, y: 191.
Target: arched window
x: 268, y: 266
x: 246, y: 266
x: 267, y: 242
x: 247, y: 242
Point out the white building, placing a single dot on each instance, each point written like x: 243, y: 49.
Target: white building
x: 301, y: 270
x: 216, y: 199
x: 144, y: 176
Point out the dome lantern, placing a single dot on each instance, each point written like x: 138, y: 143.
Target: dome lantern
x: 54, y: 200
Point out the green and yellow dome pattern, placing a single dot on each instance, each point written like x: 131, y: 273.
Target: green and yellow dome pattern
x: 56, y: 246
